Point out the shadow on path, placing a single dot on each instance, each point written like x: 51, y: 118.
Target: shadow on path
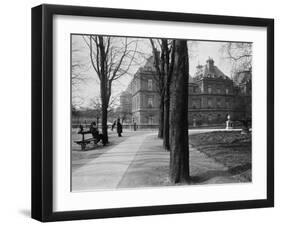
x: 150, y: 166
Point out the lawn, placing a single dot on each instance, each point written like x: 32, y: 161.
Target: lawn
x: 230, y: 148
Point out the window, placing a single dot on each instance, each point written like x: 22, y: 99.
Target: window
x: 150, y: 120
x: 193, y: 104
x: 226, y: 90
x: 218, y: 90
x: 244, y: 90
x: 133, y: 103
x: 138, y: 101
x: 209, y: 103
x: 149, y: 84
x: 218, y: 103
x: 150, y: 102
x: 134, y: 86
x: 209, y: 89
x: 227, y: 103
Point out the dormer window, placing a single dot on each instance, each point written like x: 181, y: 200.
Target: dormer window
x: 148, y: 68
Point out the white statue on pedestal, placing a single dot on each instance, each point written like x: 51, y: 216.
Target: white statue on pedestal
x: 228, y: 123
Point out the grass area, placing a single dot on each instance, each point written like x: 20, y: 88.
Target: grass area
x: 230, y: 148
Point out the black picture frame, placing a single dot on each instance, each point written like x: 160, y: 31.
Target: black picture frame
x: 42, y: 110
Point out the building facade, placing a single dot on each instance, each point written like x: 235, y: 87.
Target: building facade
x: 144, y: 96
x: 212, y: 96
x: 125, y: 109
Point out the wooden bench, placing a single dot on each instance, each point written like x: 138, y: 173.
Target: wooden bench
x: 83, y: 143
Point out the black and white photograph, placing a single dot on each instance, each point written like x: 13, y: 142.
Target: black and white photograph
x: 139, y: 113
x: 154, y: 112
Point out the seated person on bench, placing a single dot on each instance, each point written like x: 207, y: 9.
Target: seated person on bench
x: 95, y: 132
x: 80, y: 129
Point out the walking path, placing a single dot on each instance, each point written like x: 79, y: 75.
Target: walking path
x: 140, y: 161
x: 150, y: 166
x: 107, y: 170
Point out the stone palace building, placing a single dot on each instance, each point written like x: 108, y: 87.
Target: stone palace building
x: 212, y: 96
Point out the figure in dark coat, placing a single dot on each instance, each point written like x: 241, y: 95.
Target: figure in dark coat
x: 94, y: 130
x: 135, y: 126
x: 113, y: 125
x: 119, y: 128
x: 80, y: 129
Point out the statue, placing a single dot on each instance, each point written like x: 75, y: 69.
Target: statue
x: 229, y: 124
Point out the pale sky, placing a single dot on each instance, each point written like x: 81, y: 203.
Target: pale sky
x: 200, y: 51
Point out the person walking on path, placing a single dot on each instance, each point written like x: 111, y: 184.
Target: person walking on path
x: 113, y: 125
x: 119, y: 128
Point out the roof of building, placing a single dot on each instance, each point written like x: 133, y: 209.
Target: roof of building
x: 190, y: 79
x: 125, y: 93
x: 209, y: 70
x: 243, y: 77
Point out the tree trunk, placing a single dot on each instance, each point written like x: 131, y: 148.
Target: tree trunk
x: 104, y: 125
x: 166, y: 60
x: 166, y: 140
x: 179, y: 152
x: 161, y: 118
x: 103, y: 88
x: 104, y: 106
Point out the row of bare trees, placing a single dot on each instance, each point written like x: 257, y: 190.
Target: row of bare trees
x: 239, y: 54
x: 172, y: 69
x: 112, y: 57
x: 164, y: 64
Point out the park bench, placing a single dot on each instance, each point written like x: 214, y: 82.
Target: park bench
x: 84, y: 142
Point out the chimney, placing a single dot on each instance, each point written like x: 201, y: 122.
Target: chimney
x: 210, y: 64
